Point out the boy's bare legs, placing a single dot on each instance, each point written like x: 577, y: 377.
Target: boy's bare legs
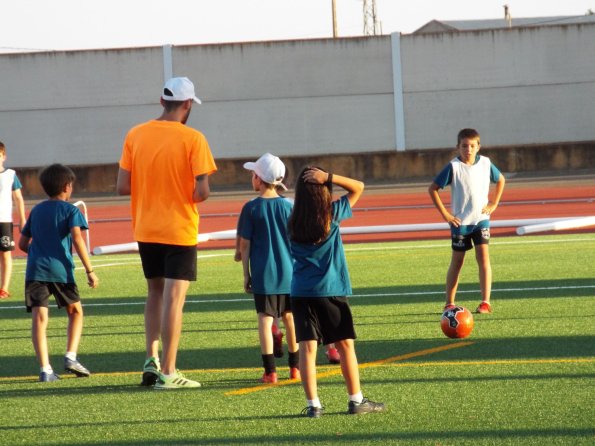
x: 153, y: 308
x: 75, y: 326
x: 6, y: 267
x: 482, y: 254
x: 39, y: 325
x: 265, y: 334
x: 452, y: 276
x: 308, y: 368
x: 174, y: 297
x: 292, y: 345
x: 349, y: 365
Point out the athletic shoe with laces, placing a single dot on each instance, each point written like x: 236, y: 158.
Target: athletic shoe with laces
x: 313, y: 412
x: 294, y: 373
x: 448, y: 307
x: 484, y: 307
x: 366, y: 406
x: 75, y: 367
x: 333, y: 356
x: 269, y: 378
x: 151, y: 371
x: 4, y: 294
x: 278, y: 344
x: 175, y: 381
x: 48, y: 377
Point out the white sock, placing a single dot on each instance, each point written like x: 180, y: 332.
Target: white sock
x: 47, y: 369
x: 314, y: 403
x: 71, y: 356
x: 357, y: 398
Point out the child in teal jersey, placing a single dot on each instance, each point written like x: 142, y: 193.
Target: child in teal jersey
x: 52, y: 230
x: 320, y: 283
x: 264, y: 251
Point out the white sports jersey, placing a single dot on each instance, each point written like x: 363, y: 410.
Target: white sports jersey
x: 469, y: 189
x: 6, y: 183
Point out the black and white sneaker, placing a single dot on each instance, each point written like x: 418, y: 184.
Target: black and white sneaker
x: 312, y: 412
x: 366, y: 406
x: 75, y: 367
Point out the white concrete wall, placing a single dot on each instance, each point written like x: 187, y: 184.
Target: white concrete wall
x: 309, y: 97
x: 517, y: 86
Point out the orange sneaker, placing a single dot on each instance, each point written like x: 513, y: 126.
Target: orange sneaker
x: 484, y: 307
x: 4, y: 294
x: 333, y: 356
x: 270, y: 378
x: 448, y: 307
x: 294, y: 373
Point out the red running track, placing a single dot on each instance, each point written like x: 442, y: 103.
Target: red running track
x: 109, y: 220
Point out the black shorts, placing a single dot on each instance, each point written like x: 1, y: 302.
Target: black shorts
x: 6, y: 238
x: 272, y: 304
x: 324, y: 319
x: 37, y: 294
x: 168, y: 261
x: 478, y: 237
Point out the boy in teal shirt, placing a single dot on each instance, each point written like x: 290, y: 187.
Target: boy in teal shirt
x: 53, y: 228
x: 266, y: 259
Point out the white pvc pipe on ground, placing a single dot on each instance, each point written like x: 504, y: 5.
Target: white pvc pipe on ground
x: 559, y: 225
x: 230, y: 234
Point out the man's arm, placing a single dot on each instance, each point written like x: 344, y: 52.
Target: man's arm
x: 201, y: 189
x: 123, y: 183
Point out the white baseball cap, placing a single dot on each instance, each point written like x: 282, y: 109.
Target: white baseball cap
x: 269, y: 169
x: 179, y: 89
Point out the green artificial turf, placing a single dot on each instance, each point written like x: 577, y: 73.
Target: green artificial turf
x: 524, y: 376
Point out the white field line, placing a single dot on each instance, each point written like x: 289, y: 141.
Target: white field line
x: 354, y: 296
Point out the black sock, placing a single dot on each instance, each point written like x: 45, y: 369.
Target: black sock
x: 268, y: 362
x: 294, y: 359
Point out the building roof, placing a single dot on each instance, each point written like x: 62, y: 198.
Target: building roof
x: 438, y: 26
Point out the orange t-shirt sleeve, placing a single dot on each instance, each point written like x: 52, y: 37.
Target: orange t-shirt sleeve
x: 202, y: 158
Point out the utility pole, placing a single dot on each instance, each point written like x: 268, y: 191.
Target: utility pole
x: 334, y: 6
x: 372, y: 26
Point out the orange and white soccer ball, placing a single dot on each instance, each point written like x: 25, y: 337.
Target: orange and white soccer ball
x: 457, y: 322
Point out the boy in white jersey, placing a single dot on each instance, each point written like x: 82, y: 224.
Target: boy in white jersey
x: 10, y: 193
x: 469, y: 176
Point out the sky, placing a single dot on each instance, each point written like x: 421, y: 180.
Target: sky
x: 58, y: 25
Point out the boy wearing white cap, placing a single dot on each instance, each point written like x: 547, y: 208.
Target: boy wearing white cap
x: 266, y: 259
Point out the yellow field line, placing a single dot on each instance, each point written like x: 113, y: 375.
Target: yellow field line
x: 365, y: 365
x: 334, y: 370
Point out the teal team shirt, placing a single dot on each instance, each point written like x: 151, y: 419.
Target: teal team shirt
x: 263, y: 221
x: 320, y: 270
x: 50, y: 253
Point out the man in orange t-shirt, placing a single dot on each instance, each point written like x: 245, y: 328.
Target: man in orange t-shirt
x: 165, y: 168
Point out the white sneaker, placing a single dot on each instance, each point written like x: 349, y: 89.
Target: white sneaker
x: 175, y: 381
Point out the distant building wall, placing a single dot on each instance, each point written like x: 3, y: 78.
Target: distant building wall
x: 309, y: 98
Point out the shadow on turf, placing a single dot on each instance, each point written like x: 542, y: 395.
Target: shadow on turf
x: 540, y: 436
x: 482, y: 349
x: 380, y: 295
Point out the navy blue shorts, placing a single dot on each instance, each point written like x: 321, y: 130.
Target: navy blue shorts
x: 324, y: 319
x: 6, y: 237
x: 466, y: 242
x: 168, y: 261
x: 37, y: 294
x: 272, y: 304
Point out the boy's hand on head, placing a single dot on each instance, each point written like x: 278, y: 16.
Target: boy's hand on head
x: 92, y: 280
